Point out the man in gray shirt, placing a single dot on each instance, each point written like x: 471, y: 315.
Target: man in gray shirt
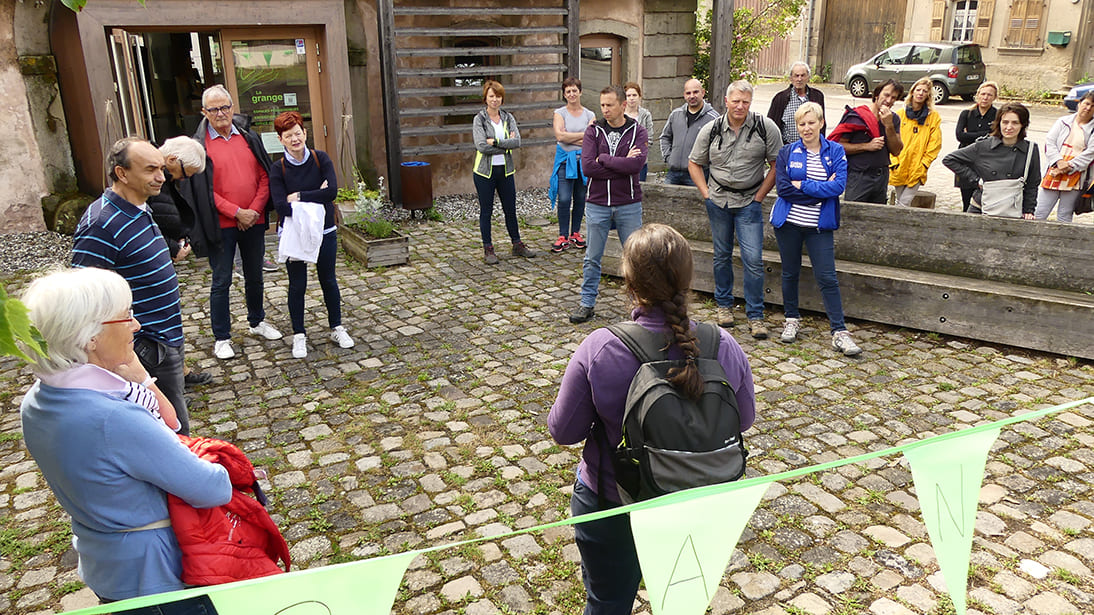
x: 681, y: 129
x: 740, y: 148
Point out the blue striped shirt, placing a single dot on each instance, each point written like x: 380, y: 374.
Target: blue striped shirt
x: 809, y: 215
x: 117, y: 235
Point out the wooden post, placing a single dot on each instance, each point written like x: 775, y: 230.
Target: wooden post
x: 573, y: 39
x: 721, y: 44
x: 390, y: 95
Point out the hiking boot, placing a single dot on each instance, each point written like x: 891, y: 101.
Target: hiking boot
x: 340, y: 335
x: 519, y: 249
x: 488, y: 256
x: 560, y: 244
x: 265, y: 330
x: 842, y: 342
x: 576, y: 240
x: 790, y: 331
x: 725, y: 316
x: 583, y: 313
x: 299, y: 346
x: 757, y: 328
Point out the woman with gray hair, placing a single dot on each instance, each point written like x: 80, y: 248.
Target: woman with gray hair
x: 90, y: 421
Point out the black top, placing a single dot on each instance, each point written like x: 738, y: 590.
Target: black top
x: 868, y: 161
x: 971, y: 125
x: 286, y: 178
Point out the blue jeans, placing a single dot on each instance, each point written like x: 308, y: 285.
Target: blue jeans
x: 627, y: 219
x: 506, y: 187
x: 252, y: 249
x: 822, y: 255
x: 324, y: 269
x: 676, y: 177
x: 570, y: 191
x: 609, y: 562
x: 749, y: 226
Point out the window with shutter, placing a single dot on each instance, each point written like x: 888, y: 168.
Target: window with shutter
x: 938, y: 17
x: 985, y: 9
x: 1024, y: 25
x: 964, y: 20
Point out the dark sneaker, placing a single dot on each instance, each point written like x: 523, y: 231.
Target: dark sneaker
x: 560, y: 244
x: 488, y: 256
x: 196, y: 379
x: 582, y: 314
x: 269, y: 266
x: 576, y: 240
x: 519, y: 249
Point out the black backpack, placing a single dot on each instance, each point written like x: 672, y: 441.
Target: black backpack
x: 671, y: 443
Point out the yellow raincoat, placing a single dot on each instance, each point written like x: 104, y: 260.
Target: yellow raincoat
x: 921, y: 146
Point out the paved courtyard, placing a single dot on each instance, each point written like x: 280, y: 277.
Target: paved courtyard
x: 433, y: 429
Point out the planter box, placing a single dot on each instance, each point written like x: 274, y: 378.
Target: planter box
x: 375, y: 252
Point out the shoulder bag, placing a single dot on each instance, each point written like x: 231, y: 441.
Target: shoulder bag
x: 1003, y: 197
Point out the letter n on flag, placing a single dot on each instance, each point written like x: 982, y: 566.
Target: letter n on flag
x: 947, y: 476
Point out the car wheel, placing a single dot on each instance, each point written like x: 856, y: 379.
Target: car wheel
x: 939, y: 93
x: 858, y: 87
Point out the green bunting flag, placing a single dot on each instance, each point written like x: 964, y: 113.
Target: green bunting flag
x: 947, y: 475
x: 684, y: 548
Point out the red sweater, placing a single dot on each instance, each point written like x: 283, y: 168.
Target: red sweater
x: 239, y: 181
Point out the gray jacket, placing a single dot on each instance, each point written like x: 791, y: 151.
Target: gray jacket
x: 677, y: 138
x: 482, y: 129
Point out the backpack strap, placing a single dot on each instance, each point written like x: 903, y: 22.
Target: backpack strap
x: 649, y: 346
x: 644, y: 344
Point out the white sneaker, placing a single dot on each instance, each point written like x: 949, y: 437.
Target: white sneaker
x: 842, y: 342
x: 299, y: 346
x: 340, y: 335
x: 790, y: 331
x: 223, y: 349
x: 266, y: 331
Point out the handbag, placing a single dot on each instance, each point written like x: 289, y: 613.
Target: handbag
x: 1003, y: 197
x: 1085, y: 204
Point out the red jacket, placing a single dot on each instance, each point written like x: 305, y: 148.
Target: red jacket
x: 232, y: 542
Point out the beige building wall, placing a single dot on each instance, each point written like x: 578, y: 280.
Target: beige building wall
x: 1045, y: 67
x: 22, y: 178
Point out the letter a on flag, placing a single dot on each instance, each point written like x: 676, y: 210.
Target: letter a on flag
x: 947, y: 476
x: 684, y: 547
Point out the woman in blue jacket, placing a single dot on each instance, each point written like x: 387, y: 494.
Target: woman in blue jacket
x: 809, y: 176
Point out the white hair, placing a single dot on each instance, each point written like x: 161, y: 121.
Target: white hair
x: 740, y: 85
x: 190, y: 153
x: 68, y: 308
x: 213, y: 90
x: 800, y: 64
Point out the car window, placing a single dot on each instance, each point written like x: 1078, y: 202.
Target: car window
x: 925, y: 55
x: 968, y: 54
x: 896, y: 55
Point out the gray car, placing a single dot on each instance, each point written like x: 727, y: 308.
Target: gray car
x: 955, y: 69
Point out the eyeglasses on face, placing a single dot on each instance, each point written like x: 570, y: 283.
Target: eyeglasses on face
x: 120, y: 320
x: 218, y: 110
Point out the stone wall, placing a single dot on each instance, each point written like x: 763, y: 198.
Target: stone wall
x: 21, y: 175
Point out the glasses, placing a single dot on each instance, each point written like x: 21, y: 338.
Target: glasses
x: 218, y: 110
x: 120, y: 320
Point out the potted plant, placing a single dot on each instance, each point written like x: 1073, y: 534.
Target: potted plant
x: 368, y: 236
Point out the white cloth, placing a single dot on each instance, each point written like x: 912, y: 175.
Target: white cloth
x: 302, y: 233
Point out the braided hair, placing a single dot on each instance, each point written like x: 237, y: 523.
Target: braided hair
x: 657, y: 269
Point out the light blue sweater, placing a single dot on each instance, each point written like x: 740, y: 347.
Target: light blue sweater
x: 109, y: 463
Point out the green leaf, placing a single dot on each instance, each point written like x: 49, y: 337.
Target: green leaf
x: 77, y: 5
x: 15, y: 328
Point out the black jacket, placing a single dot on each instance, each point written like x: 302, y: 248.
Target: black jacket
x: 779, y: 102
x: 201, y: 188
x: 173, y: 213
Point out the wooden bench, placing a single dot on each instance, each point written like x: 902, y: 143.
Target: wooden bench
x: 1016, y: 282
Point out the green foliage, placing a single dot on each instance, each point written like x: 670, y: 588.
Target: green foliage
x: 15, y: 329
x: 753, y: 31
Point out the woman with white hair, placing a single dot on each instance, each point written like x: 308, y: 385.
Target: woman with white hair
x: 90, y: 423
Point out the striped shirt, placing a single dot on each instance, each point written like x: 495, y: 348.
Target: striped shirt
x: 809, y: 215
x: 117, y: 235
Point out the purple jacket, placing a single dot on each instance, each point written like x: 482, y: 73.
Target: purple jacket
x: 613, y: 178
x: 595, y: 385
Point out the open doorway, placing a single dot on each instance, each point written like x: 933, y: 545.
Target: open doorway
x: 601, y: 66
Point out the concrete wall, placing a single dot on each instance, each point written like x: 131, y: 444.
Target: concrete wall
x: 1046, y: 67
x: 21, y: 165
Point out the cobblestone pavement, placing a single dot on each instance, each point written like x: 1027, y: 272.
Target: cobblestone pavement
x: 432, y: 429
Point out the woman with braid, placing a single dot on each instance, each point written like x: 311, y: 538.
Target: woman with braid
x: 657, y: 270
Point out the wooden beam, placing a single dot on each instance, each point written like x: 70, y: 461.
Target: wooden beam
x: 721, y: 45
x: 480, y: 31
x: 480, y: 51
x: 389, y: 95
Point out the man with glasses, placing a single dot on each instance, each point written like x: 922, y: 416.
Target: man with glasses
x: 117, y: 232
x: 237, y: 187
